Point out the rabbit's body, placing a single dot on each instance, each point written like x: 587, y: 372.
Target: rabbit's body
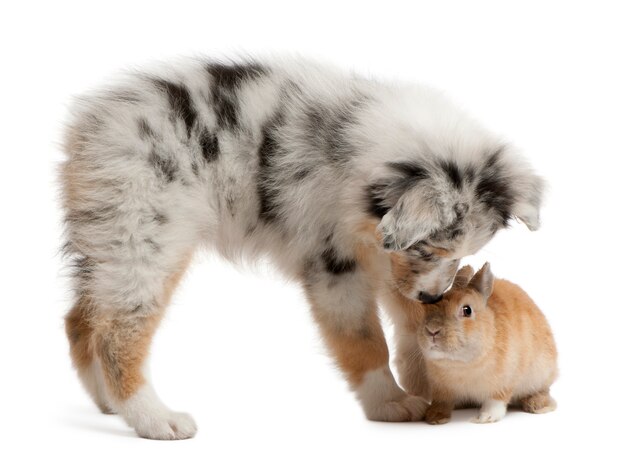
x: 485, y: 343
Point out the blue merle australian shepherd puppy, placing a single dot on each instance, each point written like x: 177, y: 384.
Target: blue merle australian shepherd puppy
x: 356, y: 188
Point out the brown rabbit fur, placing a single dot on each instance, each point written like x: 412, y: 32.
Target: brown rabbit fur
x: 486, y: 343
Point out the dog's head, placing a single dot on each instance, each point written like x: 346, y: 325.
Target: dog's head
x: 435, y: 210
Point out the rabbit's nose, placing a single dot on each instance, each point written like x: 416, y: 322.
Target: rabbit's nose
x: 433, y: 331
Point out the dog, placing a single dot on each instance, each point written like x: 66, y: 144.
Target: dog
x: 353, y: 187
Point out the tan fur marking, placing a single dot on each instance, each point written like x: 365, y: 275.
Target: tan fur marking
x: 356, y: 351
x: 401, y: 271
x: 368, y: 231
x: 79, y: 332
x: 366, y: 254
x: 72, y: 182
x: 122, y: 344
x: 441, y: 252
x: 122, y: 347
x: 358, y: 347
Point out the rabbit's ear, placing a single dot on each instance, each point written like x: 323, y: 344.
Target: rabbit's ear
x: 482, y: 281
x: 462, y: 277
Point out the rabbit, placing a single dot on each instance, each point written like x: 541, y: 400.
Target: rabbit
x: 485, y: 343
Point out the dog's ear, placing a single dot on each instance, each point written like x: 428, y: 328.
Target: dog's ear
x: 529, y: 196
x: 411, y: 205
x: 417, y: 215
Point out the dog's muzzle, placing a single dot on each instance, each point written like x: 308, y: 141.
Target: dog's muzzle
x: 427, y: 298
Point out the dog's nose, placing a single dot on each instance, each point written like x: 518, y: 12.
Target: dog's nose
x: 433, y: 332
x: 427, y: 298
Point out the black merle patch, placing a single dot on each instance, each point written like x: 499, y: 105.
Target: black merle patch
x: 337, y: 265
x: 469, y: 173
x: 301, y: 174
x: 230, y: 76
x: 411, y: 173
x: 493, y: 188
x: 389, y: 242
x: 377, y: 204
x: 210, y: 146
x: 382, y: 195
x: 67, y: 249
x: 195, y: 169
x: 83, y: 266
x: 145, y: 131
x: 165, y: 167
x: 101, y: 214
x: 230, y: 204
x: 152, y: 244
x: 461, y: 209
x: 266, y: 190
x: 326, y: 127
x: 226, y: 79
x: 180, y: 102
x: 453, y: 173
x: 160, y: 218
x: 418, y: 248
x: 455, y: 229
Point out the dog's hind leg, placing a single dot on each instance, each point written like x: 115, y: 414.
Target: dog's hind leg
x: 109, y: 346
x: 79, y: 329
x: 341, y: 295
x: 134, y: 213
x: 128, y: 258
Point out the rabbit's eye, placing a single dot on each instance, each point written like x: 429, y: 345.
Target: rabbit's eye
x: 467, y: 311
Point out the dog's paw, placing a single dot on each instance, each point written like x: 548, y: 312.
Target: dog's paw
x: 383, y: 400
x: 410, y: 408
x: 169, y: 427
x: 152, y: 419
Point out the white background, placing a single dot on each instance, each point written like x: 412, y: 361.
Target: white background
x: 238, y: 349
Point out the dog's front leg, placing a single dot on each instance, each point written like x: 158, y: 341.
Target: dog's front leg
x: 344, y: 307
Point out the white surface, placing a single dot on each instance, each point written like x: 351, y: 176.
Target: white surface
x: 238, y: 349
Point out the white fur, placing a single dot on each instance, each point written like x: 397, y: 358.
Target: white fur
x: 93, y: 381
x: 145, y: 412
x: 491, y: 411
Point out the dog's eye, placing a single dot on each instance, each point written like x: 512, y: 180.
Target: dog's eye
x: 417, y: 246
x: 467, y: 311
x: 426, y: 255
